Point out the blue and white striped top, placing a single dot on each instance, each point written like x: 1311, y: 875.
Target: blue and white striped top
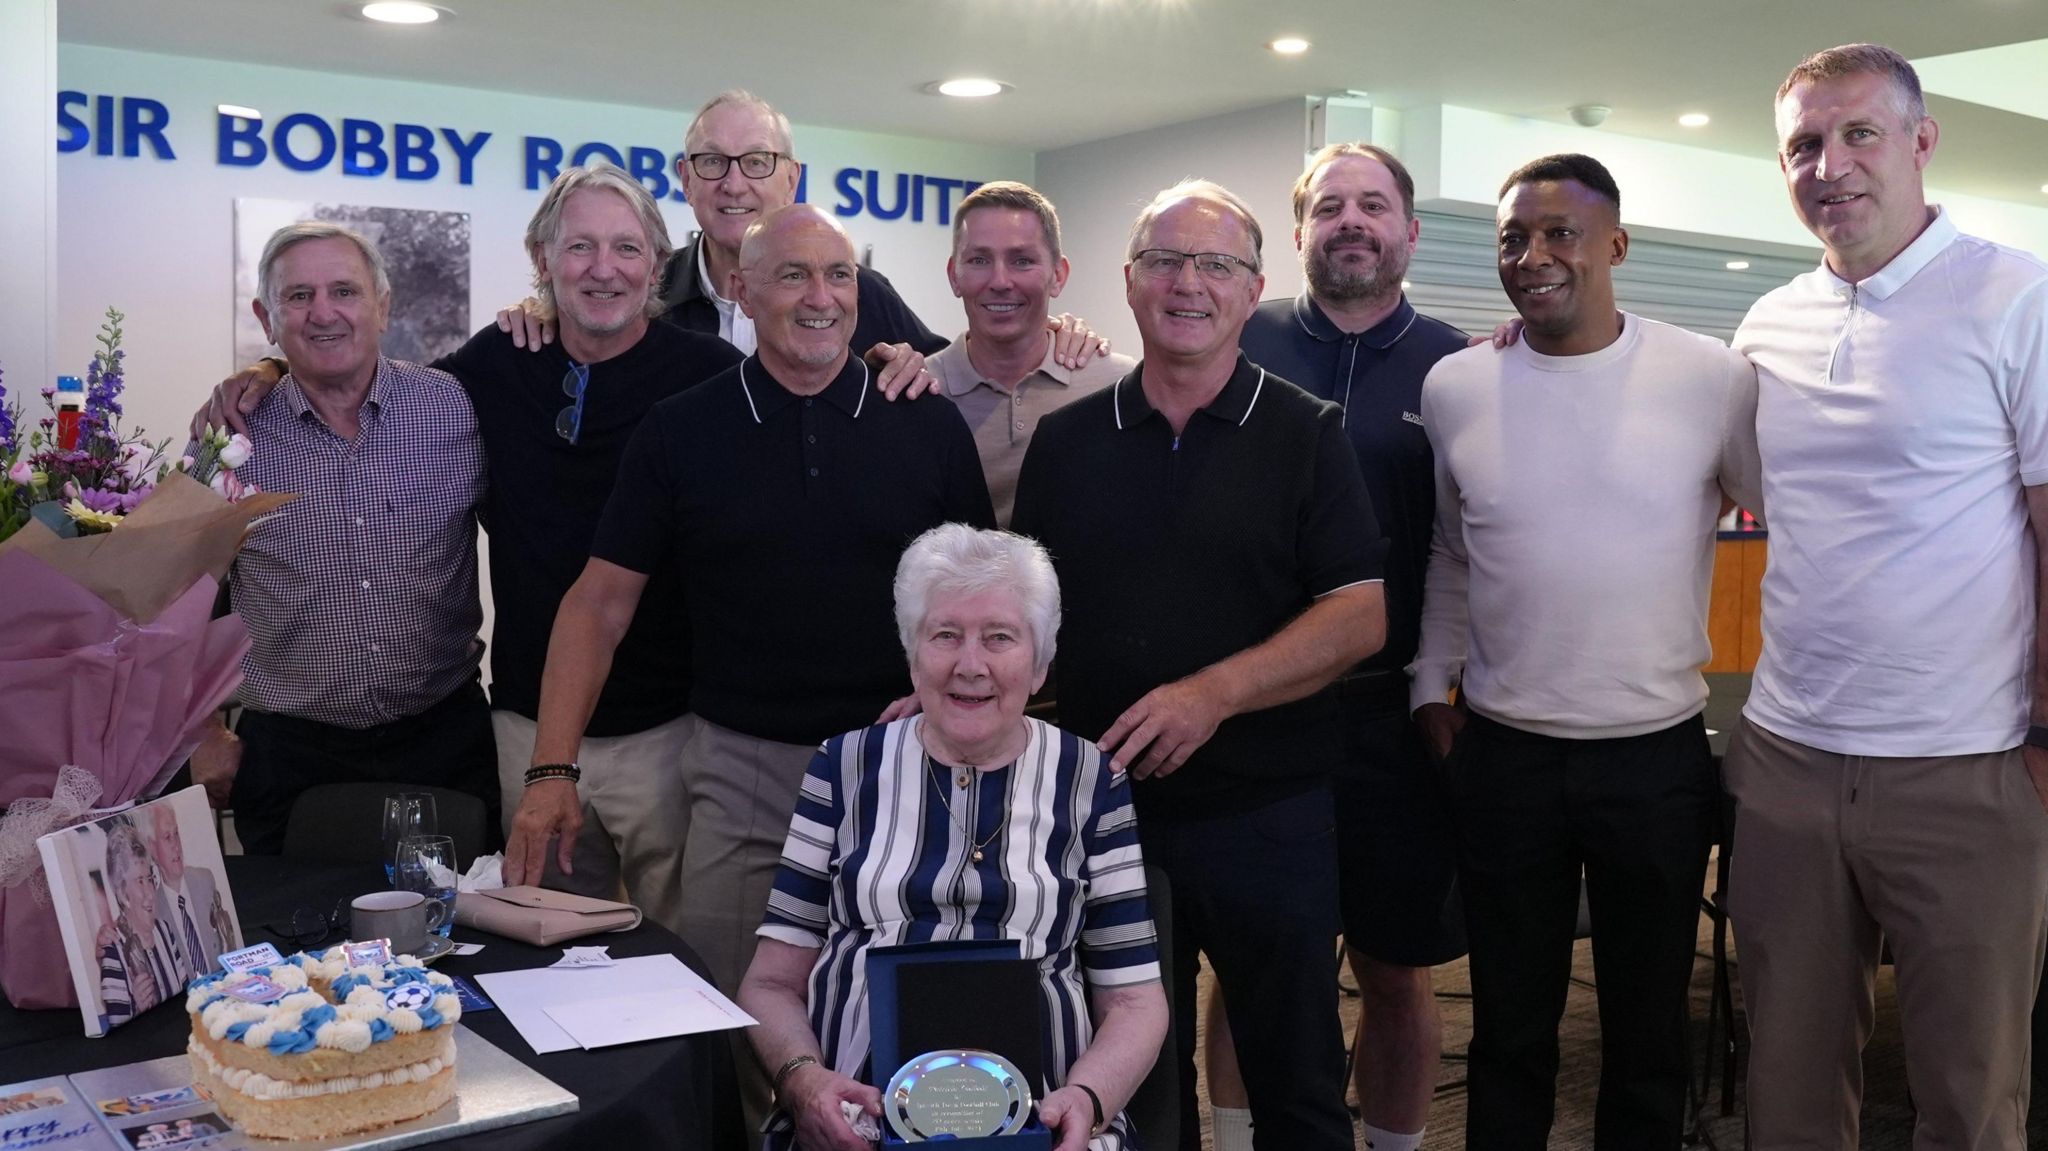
x: 874, y: 859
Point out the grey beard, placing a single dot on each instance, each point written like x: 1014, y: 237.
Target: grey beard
x: 1325, y: 282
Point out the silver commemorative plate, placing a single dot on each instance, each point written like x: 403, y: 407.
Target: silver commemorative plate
x: 964, y: 1094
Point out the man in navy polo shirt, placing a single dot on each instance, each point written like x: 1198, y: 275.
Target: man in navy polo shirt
x: 1231, y: 574
x: 1352, y: 338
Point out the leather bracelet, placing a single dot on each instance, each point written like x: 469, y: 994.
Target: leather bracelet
x: 540, y: 771
x: 2037, y: 736
x: 1096, y: 1129
x: 788, y: 1069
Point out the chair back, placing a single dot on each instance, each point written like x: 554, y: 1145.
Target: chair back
x: 1155, y: 1109
x: 345, y: 822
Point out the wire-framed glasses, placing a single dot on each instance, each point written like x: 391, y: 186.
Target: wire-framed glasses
x: 1166, y: 263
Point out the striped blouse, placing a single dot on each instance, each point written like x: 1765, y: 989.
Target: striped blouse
x: 875, y: 859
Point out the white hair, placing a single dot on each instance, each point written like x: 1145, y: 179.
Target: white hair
x: 960, y: 560
x: 1196, y: 189
x: 292, y: 235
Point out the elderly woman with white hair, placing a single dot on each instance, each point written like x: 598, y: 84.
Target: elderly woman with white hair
x: 967, y: 820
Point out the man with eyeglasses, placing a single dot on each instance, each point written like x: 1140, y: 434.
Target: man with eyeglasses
x: 555, y: 424
x: 1231, y: 574
x: 782, y: 492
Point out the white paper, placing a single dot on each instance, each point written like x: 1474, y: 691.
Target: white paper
x: 468, y: 948
x: 619, y: 1019
x: 526, y: 996
x: 585, y: 957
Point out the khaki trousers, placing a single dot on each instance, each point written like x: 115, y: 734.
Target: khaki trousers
x: 636, y: 817
x: 1946, y: 860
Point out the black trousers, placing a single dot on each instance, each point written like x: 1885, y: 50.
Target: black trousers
x: 448, y: 745
x: 1256, y: 891
x: 1637, y: 815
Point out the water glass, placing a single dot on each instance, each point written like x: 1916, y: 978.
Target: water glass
x: 426, y: 864
x: 406, y: 814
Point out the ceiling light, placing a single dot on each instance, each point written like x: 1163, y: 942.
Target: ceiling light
x: 1694, y: 120
x: 1738, y: 265
x: 401, y: 12
x: 238, y: 111
x: 966, y: 87
x: 1289, y: 45
x: 2044, y: 187
x: 1589, y: 115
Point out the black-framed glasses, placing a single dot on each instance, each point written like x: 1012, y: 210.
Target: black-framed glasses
x: 569, y: 421
x: 307, y: 927
x: 1165, y: 264
x: 714, y: 165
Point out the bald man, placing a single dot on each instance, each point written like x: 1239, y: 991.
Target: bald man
x: 783, y: 494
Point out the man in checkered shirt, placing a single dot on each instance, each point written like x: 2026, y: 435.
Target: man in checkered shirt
x: 361, y: 595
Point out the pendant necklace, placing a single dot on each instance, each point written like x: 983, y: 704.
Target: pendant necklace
x: 966, y: 776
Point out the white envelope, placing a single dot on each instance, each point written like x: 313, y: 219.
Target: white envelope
x: 528, y: 997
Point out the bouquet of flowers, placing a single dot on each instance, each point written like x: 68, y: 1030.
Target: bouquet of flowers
x: 110, y: 658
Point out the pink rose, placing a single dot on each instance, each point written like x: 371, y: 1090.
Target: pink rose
x: 21, y: 473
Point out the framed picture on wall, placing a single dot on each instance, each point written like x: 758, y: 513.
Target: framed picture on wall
x: 426, y: 253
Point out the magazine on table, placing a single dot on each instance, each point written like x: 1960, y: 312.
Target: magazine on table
x: 142, y: 901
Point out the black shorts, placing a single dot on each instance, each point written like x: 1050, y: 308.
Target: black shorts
x: 1397, y: 849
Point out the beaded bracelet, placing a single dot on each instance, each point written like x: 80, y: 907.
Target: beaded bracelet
x: 540, y: 771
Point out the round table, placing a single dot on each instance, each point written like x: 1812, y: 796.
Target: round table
x: 663, y: 1093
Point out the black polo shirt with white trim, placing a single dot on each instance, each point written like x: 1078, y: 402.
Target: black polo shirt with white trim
x: 1175, y: 552
x: 1376, y: 377
x: 785, y: 516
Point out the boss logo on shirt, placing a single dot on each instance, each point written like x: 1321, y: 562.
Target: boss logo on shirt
x: 1413, y: 418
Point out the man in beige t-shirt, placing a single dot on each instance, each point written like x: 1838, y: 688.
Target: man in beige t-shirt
x: 1006, y: 268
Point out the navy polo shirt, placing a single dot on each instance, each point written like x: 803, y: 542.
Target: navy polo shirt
x: 784, y: 516
x: 1175, y: 552
x: 1376, y: 377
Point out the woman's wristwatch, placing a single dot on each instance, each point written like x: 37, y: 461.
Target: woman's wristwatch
x: 1096, y: 1127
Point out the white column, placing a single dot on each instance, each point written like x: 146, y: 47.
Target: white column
x: 28, y: 195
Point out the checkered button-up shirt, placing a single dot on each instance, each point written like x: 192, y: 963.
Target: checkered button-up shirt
x: 361, y: 595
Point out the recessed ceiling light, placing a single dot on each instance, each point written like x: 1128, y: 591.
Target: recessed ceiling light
x: 1289, y: 45
x: 238, y: 111
x: 401, y: 12
x: 1738, y: 265
x: 2044, y: 187
x: 967, y: 87
x: 1694, y: 120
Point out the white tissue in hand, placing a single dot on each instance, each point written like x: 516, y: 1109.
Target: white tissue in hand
x: 486, y: 873
x: 863, y: 1124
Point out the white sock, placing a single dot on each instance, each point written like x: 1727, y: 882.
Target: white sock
x: 1232, y: 1127
x: 1378, y: 1140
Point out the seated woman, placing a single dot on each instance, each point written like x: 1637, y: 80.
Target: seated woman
x: 968, y: 821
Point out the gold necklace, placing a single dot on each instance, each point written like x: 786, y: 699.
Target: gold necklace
x: 974, y: 849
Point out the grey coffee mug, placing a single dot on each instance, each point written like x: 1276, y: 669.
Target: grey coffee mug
x: 403, y: 917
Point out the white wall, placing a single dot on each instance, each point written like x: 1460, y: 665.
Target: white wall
x: 28, y: 217
x: 1460, y: 156
x: 154, y: 237
x: 1100, y: 186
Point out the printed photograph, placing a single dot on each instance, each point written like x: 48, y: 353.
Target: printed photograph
x: 144, y: 905
x: 426, y: 253
x: 25, y: 1101
x: 192, y: 1131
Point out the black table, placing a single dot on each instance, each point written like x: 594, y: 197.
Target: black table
x: 664, y: 1093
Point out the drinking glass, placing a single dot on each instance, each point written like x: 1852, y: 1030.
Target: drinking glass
x: 426, y: 864
x: 406, y: 814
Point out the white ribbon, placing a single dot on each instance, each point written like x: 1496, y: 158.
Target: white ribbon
x: 28, y: 820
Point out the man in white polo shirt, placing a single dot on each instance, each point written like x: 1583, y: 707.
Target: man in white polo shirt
x: 1889, y: 788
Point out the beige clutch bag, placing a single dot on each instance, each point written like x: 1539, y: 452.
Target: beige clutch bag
x: 542, y: 917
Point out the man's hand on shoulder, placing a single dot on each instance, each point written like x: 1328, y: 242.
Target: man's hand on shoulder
x: 523, y: 320
x: 1074, y: 343
x: 899, y: 371
x: 1157, y: 734
x: 236, y: 398
x: 1504, y: 336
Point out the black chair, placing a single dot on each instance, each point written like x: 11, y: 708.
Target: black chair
x: 1155, y: 1109
x: 345, y: 822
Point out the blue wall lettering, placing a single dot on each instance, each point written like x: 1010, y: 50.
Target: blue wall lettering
x: 323, y: 137
x: 362, y: 148
x: 465, y: 152
x: 543, y: 162
x: 413, y: 152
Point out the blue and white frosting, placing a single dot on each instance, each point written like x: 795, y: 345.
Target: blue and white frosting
x: 363, y: 1010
